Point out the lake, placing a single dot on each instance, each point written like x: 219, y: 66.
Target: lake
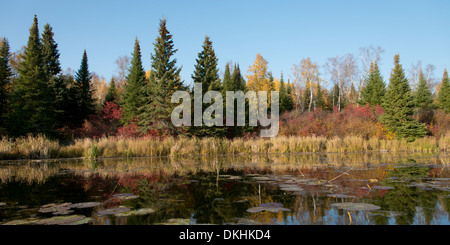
x: 281, y: 189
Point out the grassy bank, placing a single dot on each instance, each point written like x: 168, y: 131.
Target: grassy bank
x: 42, y: 148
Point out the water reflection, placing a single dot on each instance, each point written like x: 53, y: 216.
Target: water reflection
x: 405, y: 188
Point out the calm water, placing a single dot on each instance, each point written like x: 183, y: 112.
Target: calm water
x: 325, y: 189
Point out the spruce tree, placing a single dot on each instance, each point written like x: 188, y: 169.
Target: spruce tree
x: 444, y: 93
x: 374, y: 87
x: 238, y: 79
x: 111, y: 95
x: 50, y: 53
x: 5, y: 80
x: 399, y: 106
x: 320, y: 102
x: 85, y: 100
x: 282, y: 95
x: 133, y: 96
x: 289, y: 103
x: 207, y: 73
x: 228, y: 83
x: 163, y: 82
x: 56, y: 82
x: 31, y: 102
x: 422, y: 96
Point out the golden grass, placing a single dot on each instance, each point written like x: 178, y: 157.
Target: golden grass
x: 40, y: 147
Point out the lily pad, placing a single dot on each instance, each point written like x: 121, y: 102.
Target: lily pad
x: 271, y: 205
x: 86, y: 220
x: 63, y: 212
x: 113, y: 211
x: 28, y: 221
x: 55, y: 208
x: 61, y: 220
x: 84, y: 205
x: 276, y: 210
x: 291, y: 188
x: 142, y: 211
x: 125, y: 196
x: 177, y: 221
x: 256, y: 209
x: 356, y: 206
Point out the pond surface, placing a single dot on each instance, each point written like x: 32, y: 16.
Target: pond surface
x: 304, y: 189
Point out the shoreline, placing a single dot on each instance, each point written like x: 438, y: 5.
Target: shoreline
x: 42, y: 148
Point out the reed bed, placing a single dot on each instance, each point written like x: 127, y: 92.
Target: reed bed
x: 40, y: 147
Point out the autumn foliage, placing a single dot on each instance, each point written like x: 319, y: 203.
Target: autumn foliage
x: 354, y: 120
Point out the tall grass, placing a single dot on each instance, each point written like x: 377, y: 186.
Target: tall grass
x: 40, y: 147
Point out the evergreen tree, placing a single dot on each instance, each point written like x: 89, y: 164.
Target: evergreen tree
x: 399, y: 106
x: 289, y: 103
x: 334, y: 96
x: 320, y: 102
x: 50, y: 53
x: 56, y: 82
x: 353, y: 95
x: 228, y: 83
x: 374, y: 87
x: 207, y: 73
x: 282, y: 95
x: 132, y: 99
x: 111, y: 95
x: 164, y: 81
x: 5, y: 80
x: 238, y: 79
x: 31, y: 101
x: 423, y: 97
x: 85, y: 100
x: 444, y: 93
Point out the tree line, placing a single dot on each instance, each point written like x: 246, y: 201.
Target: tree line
x: 36, y: 97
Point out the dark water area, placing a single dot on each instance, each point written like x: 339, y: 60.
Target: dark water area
x: 304, y: 189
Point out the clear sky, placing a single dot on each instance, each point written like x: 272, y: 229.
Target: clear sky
x: 284, y: 32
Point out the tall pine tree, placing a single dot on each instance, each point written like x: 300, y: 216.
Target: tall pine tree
x: 5, y: 80
x: 133, y: 96
x: 31, y: 101
x: 56, y: 82
x: 207, y: 73
x: 163, y: 82
x: 399, y: 106
x: 422, y: 96
x: 111, y: 95
x: 444, y: 93
x: 374, y: 87
x: 85, y: 100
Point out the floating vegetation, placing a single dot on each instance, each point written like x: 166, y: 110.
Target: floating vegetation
x: 125, y: 196
x: 271, y: 207
x: 65, y: 220
x: 113, y: 211
x: 142, y: 211
x: 55, y: 208
x: 28, y: 221
x: 85, y: 205
x: 177, y: 221
x: 350, y: 206
x: 291, y: 188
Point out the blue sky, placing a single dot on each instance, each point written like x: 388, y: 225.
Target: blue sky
x: 284, y: 32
